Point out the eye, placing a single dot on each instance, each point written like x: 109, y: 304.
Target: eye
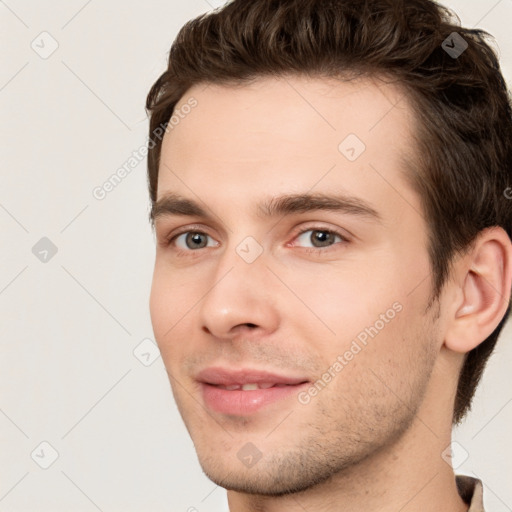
x: 191, y: 240
x: 320, y: 237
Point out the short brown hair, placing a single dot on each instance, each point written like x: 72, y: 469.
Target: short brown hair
x: 464, y: 133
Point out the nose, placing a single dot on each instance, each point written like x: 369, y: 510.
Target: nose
x: 238, y: 298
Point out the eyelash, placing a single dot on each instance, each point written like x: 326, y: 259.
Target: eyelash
x: 309, y: 250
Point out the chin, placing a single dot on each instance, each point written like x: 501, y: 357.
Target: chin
x: 267, y: 478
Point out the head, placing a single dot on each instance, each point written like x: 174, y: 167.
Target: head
x: 373, y: 68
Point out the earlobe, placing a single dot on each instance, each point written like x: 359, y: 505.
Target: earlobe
x: 484, y: 295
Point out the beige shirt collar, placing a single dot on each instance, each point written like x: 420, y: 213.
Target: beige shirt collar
x: 471, y: 491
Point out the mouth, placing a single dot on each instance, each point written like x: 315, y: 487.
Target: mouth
x: 243, y: 392
x: 252, y: 386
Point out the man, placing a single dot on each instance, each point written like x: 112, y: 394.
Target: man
x: 332, y: 211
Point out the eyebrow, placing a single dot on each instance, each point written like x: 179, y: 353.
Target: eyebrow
x: 172, y: 204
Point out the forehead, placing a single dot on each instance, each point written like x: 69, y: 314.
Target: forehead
x: 289, y: 135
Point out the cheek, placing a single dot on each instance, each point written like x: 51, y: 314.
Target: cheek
x: 165, y: 303
x: 384, y: 371
x: 370, y: 305
x: 173, y: 303
x: 344, y: 299
x: 157, y: 300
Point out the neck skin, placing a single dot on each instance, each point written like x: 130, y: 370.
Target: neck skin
x: 407, y: 476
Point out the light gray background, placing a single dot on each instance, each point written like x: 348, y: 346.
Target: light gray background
x: 69, y: 326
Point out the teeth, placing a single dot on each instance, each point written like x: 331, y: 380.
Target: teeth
x: 262, y: 385
x: 248, y: 387
x: 231, y: 388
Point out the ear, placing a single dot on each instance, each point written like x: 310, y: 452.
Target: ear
x: 483, y: 281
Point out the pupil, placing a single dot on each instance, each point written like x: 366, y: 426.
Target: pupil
x: 323, y: 237
x: 195, y: 238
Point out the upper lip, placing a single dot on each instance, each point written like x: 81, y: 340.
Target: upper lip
x: 225, y: 377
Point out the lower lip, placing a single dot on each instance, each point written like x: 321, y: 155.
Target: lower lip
x: 240, y: 402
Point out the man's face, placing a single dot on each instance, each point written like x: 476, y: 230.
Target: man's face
x: 331, y: 295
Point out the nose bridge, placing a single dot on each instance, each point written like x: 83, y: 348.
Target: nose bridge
x: 237, y: 293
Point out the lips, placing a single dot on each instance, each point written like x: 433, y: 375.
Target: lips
x: 244, y: 392
x: 251, y: 386
x: 228, y: 378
